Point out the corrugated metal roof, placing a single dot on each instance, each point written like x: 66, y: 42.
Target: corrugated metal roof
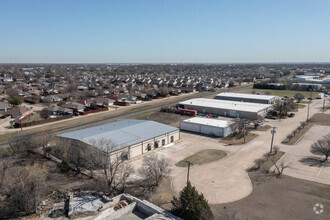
x: 243, y: 95
x: 224, y: 104
x: 122, y: 133
x: 209, y: 121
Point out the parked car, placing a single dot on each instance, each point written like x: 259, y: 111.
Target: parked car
x: 291, y: 115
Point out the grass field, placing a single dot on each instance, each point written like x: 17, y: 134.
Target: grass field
x: 162, y: 117
x: 204, y: 156
x: 289, y: 93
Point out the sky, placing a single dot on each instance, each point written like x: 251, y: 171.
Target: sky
x: 164, y: 31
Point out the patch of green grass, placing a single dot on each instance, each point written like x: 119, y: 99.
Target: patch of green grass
x: 300, y: 106
x: 204, y: 156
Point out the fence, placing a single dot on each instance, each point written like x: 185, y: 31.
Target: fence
x: 32, y: 123
x: 95, y: 110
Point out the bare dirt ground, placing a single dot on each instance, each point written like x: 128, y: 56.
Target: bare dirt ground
x: 279, y: 198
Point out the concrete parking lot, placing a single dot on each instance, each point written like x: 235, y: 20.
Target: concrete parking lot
x: 226, y: 180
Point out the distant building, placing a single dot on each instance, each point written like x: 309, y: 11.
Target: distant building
x: 306, y: 87
x: 208, y: 126
x: 241, y: 97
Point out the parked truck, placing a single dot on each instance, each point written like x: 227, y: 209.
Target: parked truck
x: 320, y: 96
x: 188, y: 112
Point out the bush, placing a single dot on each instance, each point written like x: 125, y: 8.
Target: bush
x: 64, y: 167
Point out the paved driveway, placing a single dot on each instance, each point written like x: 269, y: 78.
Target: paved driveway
x: 226, y: 180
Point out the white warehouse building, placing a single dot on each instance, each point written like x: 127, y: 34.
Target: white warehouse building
x: 232, y: 109
x: 242, y: 97
x: 208, y: 126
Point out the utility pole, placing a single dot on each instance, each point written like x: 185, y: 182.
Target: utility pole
x: 245, y: 125
x: 323, y: 105
x: 189, y: 163
x: 308, y: 111
x: 271, y: 144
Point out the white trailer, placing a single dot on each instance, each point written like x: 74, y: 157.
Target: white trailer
x: 320, y: 96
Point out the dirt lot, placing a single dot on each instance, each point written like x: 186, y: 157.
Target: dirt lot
x: 280, y: 198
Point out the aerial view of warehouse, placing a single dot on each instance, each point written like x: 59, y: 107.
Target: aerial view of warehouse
x: 241, y: 97
x: 129, y: 137
x: 233, y: 109
x: 208, y: 126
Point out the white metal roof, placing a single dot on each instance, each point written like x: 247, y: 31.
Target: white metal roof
x: 243, y: 95
x: 224, y: 104
x: 209, y: 121
x: 122, y: 133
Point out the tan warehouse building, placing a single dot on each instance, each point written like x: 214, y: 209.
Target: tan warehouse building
x: 130, y: 138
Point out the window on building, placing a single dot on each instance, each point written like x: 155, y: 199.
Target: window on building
x: 124, y: 156
x: 148, y: 147
x: 156, y: 144
x: 163, y: 142
x: 172, y: 139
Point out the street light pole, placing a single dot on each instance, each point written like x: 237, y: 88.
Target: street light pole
x: 271, y: 144
x: 323, y: 105
x: 189, y: 163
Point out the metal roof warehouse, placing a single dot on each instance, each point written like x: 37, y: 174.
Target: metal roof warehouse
x: 265, y: 99
x: 141, y: 134
x: 226, y: 108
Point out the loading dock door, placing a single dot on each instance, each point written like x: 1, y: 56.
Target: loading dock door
x: 232, y: 114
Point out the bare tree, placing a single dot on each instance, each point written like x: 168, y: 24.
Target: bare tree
x: 154, y: 169
x: 43, y: 142
x: 279, y: 166
x: 322, y: 147
x: 115, y: 168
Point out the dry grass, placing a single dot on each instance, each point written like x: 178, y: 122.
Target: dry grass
x: 162, y: 117
x: 298, y: 135
x: 268, y: 164
x: 204, y: 156
x: 278, y: 198
x: 163, y: 194
x: 235, y: 140
x: 320, y: 119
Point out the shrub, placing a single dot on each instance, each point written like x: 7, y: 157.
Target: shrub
x: 64, y: 167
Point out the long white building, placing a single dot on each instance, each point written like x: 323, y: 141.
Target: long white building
x: 232, y: 109
x: 242, y: 97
